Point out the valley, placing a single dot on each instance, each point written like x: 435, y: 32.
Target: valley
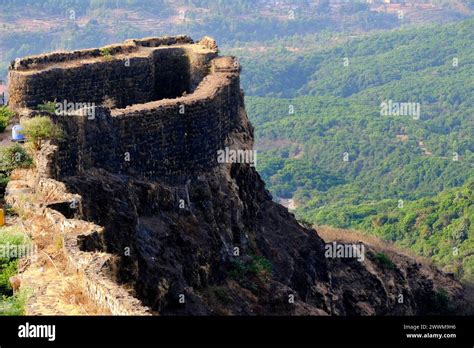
x: 361, y: 163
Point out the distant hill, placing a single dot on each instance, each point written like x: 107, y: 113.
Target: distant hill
x: 439, y: 227
x: 33, y: 27
x: 324, y: 141
x: 380, y: 60
x: 388, y: 156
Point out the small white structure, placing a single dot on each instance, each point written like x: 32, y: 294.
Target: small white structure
x: 17, y: 134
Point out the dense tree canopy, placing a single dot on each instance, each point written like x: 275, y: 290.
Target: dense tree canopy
x: 349, y: 165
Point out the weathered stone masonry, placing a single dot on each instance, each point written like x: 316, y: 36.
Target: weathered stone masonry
x: 147, y: 135
x: 165, y: 139
x: 131, y: 73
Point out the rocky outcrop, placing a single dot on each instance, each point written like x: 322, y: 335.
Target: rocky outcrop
x: 219, y: 245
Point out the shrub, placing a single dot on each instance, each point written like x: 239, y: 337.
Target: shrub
x: 8, y: 268
x: 38, y: 129
x: 261, y: 267
x: 5, y: 116
x: 10, y: 305
x: 106, y: 52
x: 305, y: 223
x: 258, y: 266
x: 384, y: 260
x: 14, y: 305
x: 12, y: 157
x: 4, y: 179
x: 11, y: 235
x: 49, y: 107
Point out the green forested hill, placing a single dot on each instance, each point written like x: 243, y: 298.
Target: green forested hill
x: 374, y: 61
x: 440, y: 227
x: 324, y: 142
x: 33, y: 26
x: 386, y: 155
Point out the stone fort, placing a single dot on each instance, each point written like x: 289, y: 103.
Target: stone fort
x: 169, y: 105
x: 162, y: 107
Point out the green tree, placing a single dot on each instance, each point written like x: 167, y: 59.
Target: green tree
x: 5, y: 116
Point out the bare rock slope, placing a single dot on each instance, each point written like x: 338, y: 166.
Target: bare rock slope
x: 222, y: 242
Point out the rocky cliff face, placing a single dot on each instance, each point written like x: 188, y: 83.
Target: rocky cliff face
x: 220, y: 245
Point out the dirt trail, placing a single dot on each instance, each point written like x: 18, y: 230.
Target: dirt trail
x: 6, y: 136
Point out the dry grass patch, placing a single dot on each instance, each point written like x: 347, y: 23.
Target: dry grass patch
x: 74, y: 295
x: 330, y: 234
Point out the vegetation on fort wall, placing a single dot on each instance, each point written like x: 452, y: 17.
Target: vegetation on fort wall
x: 49, y: 107
x: 39, y: 129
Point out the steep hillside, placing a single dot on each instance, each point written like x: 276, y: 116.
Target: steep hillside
x: 439, y: 227
x: 330, y: 149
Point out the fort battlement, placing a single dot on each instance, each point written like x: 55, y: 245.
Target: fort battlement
x: 177, y: 103
x: 136, y: 71
x: 162, y: 107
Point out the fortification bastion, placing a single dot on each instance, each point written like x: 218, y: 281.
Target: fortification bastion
x: 153, y: 110
x: 161, y: 107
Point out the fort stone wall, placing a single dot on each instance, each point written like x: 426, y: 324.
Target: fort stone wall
x: 176, y: 102
x: 168, y: 139
x: 137, y: 71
